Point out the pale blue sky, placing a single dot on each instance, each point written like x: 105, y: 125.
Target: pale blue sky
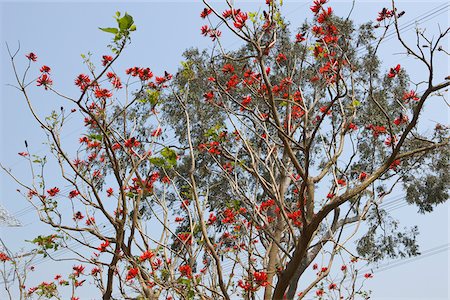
x: 59, y: 32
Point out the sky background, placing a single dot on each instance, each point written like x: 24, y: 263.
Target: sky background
x: 58, y: 32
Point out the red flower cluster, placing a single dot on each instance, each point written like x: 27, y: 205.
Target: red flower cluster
x: 45, y: 69
x: 299, y: 37
x: 260, y: 278
x: 212, y: 219
x: 385, y: 14
x: 82, y: 81
x: 106, y: 59
x: 147, y: 255
x: 73, y: 194
x: 161, y: 80
x: 205, y: 12
x: 240, y: 19
x: 362, y: 176
x: 157, y: 132
x: 144, y: 74
x: 102, y: 93
x: 213, y: 33
x: 228, y: 68
x: 295, y: 217
x: 132, y: 273
x: 31, y: 56
x: 229, y: 216
x: 245, y: 101
x: 103, y: 246
x: 78, y: 216
x: 53, y: 191
x: 132, y: 142
x: 395, y: 164
x: 317, y: 6
x: 266, y: 204
x: 114, y: 79
x: 411, y: 95
x: 44, y: 80
x: 185, y: 270
x: 377, y: 130
x: 4, y: 257
x: 394, y: 71
x: 212, y: 147
x: 78, y: 270
x: 185, y: 238
x: 281, y: 57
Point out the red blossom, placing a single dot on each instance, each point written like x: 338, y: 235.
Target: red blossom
x: 185, y: 238
x: 44, y: 80
x: 245, y: 101
x: 281, y: 57
x: 31, y: 56
x: 362, y: 176
x: 147, y: 255
x: 209, y: 96
x: 395, y: 164
x: 205, y: 12
x: 53, y: 191
x: 144, y: 74
x: 82, y: 81
x: 106, y: 59
x: 368, y: 275
x: 78, y: 216
x: 23, y: 154
x: 132, y: 273
x: 317, y: 6
x: 325, y: 15
x: 401, y: 119
x: 411, y: 95
x: 179, y: 219
x: 102, y: 93
x: 185, y: 270
x: 205, y: 30
x: 240, y: 19
x: 299, y: 38
x: 352, y: 126
x: 384, y: 14
x: 260, y: 278
x: 78, y: 270
x: 212, y: 219
x: 95, y: 271
x: 394, y: 71
x: 114, y: 79
x: 4, y: 257
x: 341, y: 182
x: 45, y: 69
x: 103, y: 246
x: 73, y: 194
x: 132, y: 142
x: 156, y: 132
x: 228, y: 68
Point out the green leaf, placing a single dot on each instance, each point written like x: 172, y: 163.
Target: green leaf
x: 125, y: 22
x: 153, y: 96
x: 157, y: 161
x: 133, y: 27
x: 170, y: 156
x: 356, y: 103
x: 110, y: 30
